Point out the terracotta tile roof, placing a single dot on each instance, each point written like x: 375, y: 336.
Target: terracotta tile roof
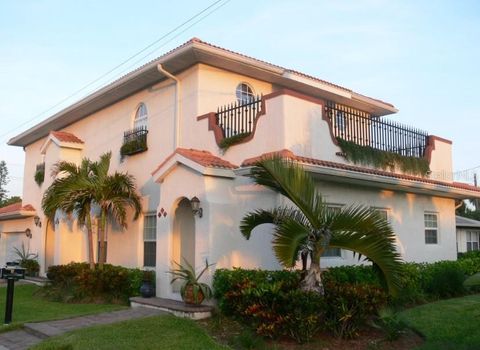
x: 197, y: 40
x: 203, y: 158
x: 64, y: 136
x: 15, y: 207
x: 287, y: 154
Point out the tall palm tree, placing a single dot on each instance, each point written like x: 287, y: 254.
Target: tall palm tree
x: 307, y: 228
x: 113, y: 194
x: 71, y: 192
x: 79, y: 189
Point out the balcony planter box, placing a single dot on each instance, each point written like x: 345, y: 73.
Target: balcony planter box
x: 40, y: 174
x: 134, y: 141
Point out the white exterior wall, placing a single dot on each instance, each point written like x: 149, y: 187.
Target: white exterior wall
x: 289, y: 122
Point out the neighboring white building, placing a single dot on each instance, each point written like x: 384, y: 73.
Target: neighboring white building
x: 184, y: 104
x: 468, y: 234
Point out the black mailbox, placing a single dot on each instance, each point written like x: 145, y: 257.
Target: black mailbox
x: 13, y: 272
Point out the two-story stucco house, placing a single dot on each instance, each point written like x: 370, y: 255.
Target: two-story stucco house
x: 165, y: 123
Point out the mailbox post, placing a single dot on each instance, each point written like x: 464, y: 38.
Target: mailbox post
x: 12, y: 272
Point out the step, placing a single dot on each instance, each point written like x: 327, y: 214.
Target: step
x: 175, y: 307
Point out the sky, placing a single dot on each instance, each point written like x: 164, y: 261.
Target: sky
x: 421, y: 55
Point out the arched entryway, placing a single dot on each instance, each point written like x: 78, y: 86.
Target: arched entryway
x: 183, y: 236
x: 49, y: 245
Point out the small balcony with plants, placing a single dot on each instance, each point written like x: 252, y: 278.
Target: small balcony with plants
x: 39, y: 175
x: 374, y: 141
x: 237, y: 120
x: 134, y: 141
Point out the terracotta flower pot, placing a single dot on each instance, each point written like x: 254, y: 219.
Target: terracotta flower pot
x: 189, y: 298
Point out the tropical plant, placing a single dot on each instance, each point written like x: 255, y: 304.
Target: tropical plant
x: 79, y: 188
x: 113, y: 194
x: 191, y: 290
x: 306, y: 229
x: 27, y: 260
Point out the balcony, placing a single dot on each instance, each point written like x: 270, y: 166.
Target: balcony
x: 237, y: 120
x: 361, y: 128
x: 134, y: 141
x: 39, y: 174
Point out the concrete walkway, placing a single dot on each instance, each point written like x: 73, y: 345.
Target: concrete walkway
x: 34, y: 333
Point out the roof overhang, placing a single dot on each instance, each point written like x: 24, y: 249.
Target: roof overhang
x: 176, y: 159
x: 180, y: 59
x: 381, y: 182
x: 17, y: 215
x: 52, y: 139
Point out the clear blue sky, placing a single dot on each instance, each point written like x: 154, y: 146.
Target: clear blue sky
x: 422, y: 56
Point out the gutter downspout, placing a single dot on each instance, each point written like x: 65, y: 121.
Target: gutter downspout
x: 177, y: 113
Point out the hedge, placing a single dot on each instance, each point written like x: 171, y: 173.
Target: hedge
x: 76, y: 282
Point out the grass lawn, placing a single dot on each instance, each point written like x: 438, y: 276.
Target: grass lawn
x: 28, y: 307
x: 159, y: 332
x: 448, y: 324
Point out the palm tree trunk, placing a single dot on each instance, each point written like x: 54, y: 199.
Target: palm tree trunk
x: 101, y: 238
x: 90, y: 242
x: 313, y: 280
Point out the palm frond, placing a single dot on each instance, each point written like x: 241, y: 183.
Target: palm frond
x: 291, y: 180
x: 361, y: 230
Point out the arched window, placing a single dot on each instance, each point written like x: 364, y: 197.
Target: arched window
x: 244, y: 93
x: 141, y: 117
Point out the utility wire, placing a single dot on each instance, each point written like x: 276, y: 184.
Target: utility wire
x: 127, y: 60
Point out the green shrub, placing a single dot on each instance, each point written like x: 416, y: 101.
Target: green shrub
x: 356, y: 274
x: 39, y: 176
x: 443, y: 279
x: 390, y: 323
x: 349, y: 306
x: 226, y: 281
x: 473, y: 254
x: 469, y: 265
x: 31, y: 266
x: 77, y: 282
x: 269, y: 302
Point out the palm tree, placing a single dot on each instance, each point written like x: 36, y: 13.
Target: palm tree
x: 113, y: 194
x: 79, y: 189
x: 71, y: 192
x: 307, y: 228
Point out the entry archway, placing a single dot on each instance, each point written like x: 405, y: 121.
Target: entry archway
x: 183, y: 236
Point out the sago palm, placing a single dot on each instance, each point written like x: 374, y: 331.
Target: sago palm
x: 308, y: 227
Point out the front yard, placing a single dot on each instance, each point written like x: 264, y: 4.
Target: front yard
x: 448, y: 324
x: 30, y: 307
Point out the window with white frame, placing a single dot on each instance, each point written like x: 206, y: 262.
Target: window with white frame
x: 340, y: 121
x: 382, y: 212
x: 150, y: 240
x: 473, y: 240
x: 431, y: 228
x: 141, y: 117
x: 333, y: 252
x: 244, y: 93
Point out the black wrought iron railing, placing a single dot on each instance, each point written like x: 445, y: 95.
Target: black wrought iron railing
x: 239, y: 117
x: 360, y: 127
x: 134, y: 141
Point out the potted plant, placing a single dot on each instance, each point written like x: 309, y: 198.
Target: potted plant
x: 28, y: 261
x: 147, y: 289
x: 191, y: 290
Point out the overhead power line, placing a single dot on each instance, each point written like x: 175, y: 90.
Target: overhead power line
x: 198, y: 14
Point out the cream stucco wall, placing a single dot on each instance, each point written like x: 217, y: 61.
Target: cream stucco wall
x: 290, y: 122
